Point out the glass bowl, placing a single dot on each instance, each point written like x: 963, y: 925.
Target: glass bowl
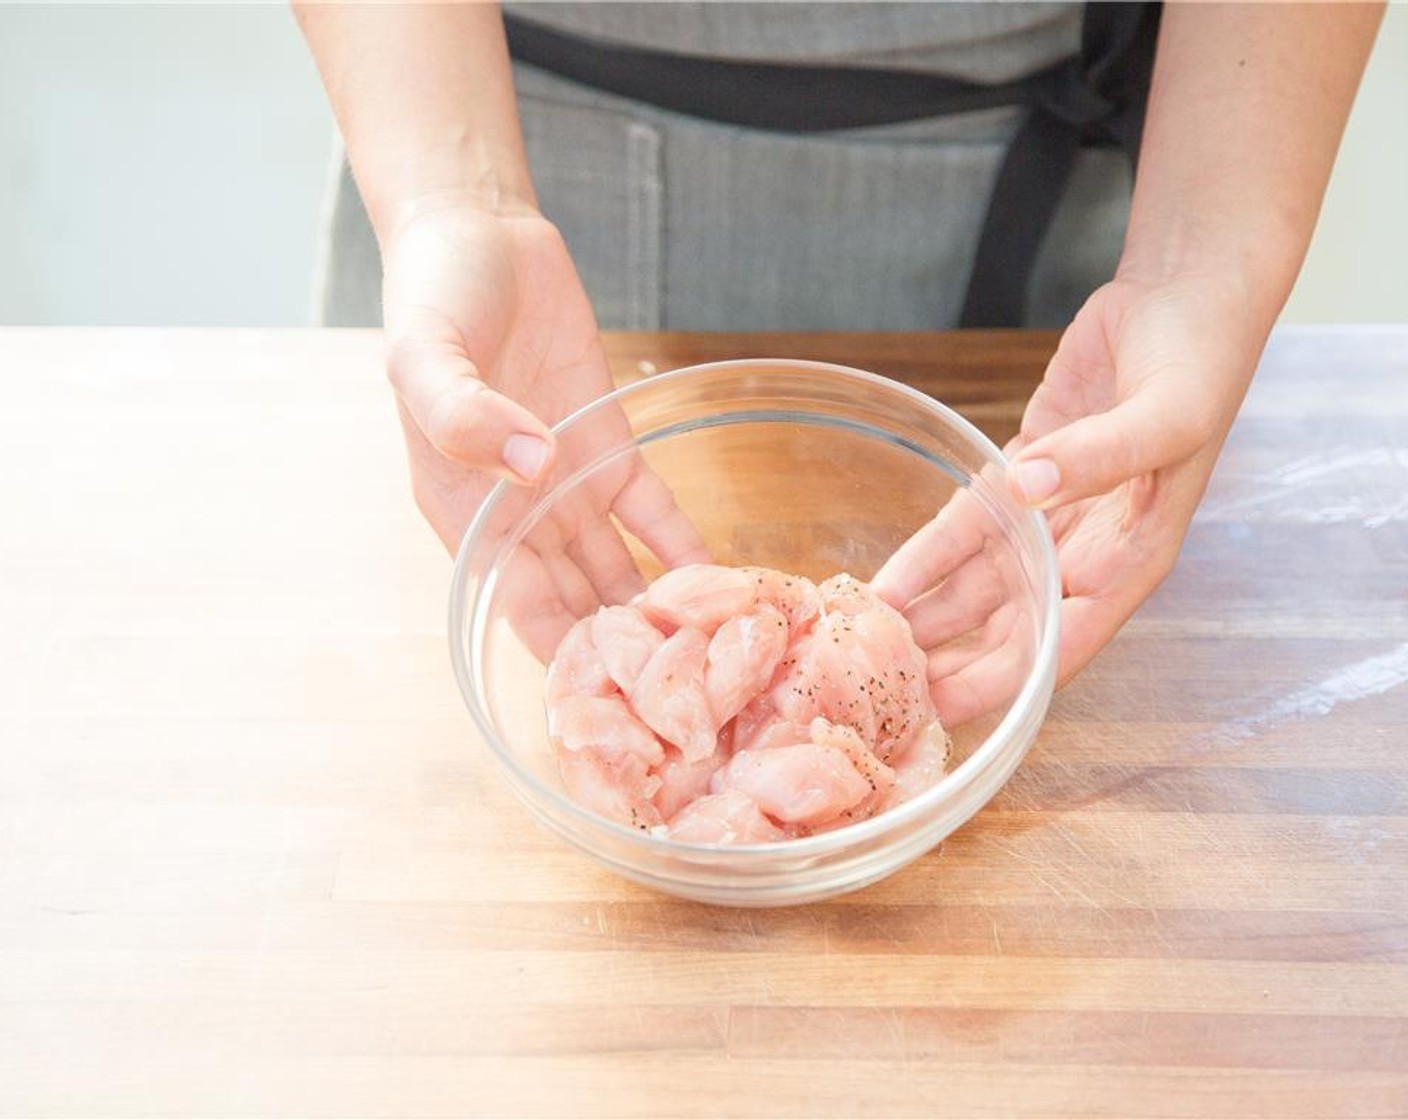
x: 805, y: 467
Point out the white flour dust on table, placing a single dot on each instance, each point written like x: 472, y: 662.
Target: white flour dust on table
x: 743, y: 706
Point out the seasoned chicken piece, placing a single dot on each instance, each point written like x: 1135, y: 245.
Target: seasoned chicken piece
x: 702, y: 596
x: 616, y: 788
x: 743, y: 705
x: 624, y: 640
x: 669, y: 694
x: 603, y: 723
x: 743, y: 655
x: 795, y: 596
x: 859, y: 666
x: 724, y: 818
x: 921, y: 766
x: 804, y: 784
x: 577, y: 668
x: 682, y: 781
x: 606, y: 757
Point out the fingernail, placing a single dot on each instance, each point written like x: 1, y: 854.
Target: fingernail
x: 1037, y: 479
x: 525, y: 456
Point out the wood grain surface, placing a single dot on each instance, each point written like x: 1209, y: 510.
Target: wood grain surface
x: 253, y: 861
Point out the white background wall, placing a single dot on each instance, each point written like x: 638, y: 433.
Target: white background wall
x: 158, y: 164
x: 1357, y: 267
x: 165, y: 165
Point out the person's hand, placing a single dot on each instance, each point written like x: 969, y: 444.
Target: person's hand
x: 1119, y: 440
x: 490, y: 340
x: 1116, y: 445
x: 960, y: 584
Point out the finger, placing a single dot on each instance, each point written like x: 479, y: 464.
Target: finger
x: 964, y: 601
x: 603, y: 558
x: 648, y: 510
x: 532, y: 606
x: 568, y: 582
x: 465, y: 420
x: 1088, y: 624
x: 969, y: 680
x: 955, y: 535
x: 1095, y: 454
x: 986, y: 685
x: 540, y: 590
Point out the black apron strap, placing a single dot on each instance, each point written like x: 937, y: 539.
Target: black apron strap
x: 1097, y: 97
x: 772, y: 97
x: 1102, y: 102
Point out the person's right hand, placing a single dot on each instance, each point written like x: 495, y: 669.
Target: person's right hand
x: 490, y: 340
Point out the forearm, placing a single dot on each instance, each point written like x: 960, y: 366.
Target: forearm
x: 1245, y: 116
x: 423, y: 95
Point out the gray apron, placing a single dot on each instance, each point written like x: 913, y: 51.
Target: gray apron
x: 687, y: 224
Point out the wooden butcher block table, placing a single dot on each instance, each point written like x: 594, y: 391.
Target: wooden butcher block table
x: 254, y: 861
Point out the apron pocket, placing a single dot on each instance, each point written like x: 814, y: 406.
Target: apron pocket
x: 597, y: 172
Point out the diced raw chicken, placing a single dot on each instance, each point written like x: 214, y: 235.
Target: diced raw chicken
x: 844, y: 594
x: 921, y: 766
x: 779, y: 733
x: 795, y: 596
x: 879, y: 778
x: 605, y: 724
x: 702, y: 596
x: 838, y: 735
x: 859, y: 666
x: 755, y: 718
x: 606, y: 756
x: 743, y: 654
x: 576, y: 668
x: 803, y: 784
x: 743, y: 706
x: 682, y: 782
x: 624, y: 639
x: 724, y: 818
x: 618, y: 788
x: 669, y: 694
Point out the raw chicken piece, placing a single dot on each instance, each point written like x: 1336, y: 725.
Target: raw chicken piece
x: 844, y: 594
x: 616, y: 788
x: 779, y: 733
x: 606, y: 756
x: 669, y: 694
x: 605, y: 724
x: 682, y: 782
x: 922, y: 765
x: 702, y: 596
x: 838, y: 735
x: 724, y: 818
x: 803, y: 784
x: 755, y: 718
x: 743, y: 655
x: 624, y: 640
x: 743, y: 706
x: 576, y: 668
x: 859, y: 666
x: 795, y: 596
x: 879, y: 776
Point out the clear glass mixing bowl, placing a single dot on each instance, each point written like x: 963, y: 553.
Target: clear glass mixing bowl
x: 802, y: 466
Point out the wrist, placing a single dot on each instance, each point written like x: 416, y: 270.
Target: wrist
x: 1250, y: 267
x: 469, y: 175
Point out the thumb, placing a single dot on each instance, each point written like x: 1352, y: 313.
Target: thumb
x: 1154, y: 428
x: 462, y: 418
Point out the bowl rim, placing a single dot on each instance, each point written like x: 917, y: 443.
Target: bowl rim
x: 1040, y: 680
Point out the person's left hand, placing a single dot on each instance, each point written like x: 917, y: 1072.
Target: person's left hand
x: 1117, y: 445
